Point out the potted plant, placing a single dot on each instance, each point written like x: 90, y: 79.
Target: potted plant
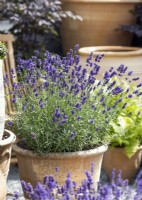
x: 34, y: 24
x: 63, y: 118
x: 125, y: 150
x: 6, y: 137
x: 136, y: 27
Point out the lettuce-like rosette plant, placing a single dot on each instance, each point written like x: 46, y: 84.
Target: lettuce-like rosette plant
x: 62, y: 107
x: 129, y: 123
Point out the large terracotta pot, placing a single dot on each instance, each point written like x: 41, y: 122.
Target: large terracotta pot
x: 33, y: 168
x: 101, y: 18
x: 115, y: 158
x: 114, y: 56
x: 2, y: 103
x: 5, y: 155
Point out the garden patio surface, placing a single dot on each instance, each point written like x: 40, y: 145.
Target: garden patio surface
x: 14, y: 185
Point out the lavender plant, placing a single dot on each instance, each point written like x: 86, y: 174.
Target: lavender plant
x: 118, y: 189
x: 62, y: 107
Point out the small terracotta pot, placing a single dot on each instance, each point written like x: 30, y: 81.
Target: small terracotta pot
x: 33, y: 168
x: 115, y: 158
x: 5, y: 155
x: 114, y: 56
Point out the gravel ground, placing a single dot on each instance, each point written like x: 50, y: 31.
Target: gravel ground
x: 13, y: 183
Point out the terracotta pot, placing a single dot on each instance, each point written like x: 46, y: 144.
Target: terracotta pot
x: 33, y: 168
x: 5, y: 155
x: 3, y: 190
x: 101, y: 18
x: 114, y: 56
x: 115, y: 158
x: 2, y: 103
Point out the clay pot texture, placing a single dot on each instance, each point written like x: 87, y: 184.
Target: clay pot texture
x: 115, y: 158
x: 3, y: 190
x: 101, y: 18
x: 114, y: 56
x: 5, y: 155
x: 2, y: 103
x: 33, y: 167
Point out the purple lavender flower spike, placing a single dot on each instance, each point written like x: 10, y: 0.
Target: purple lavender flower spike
x: 9, y: 123
x: 130, y: 73
x: 130, y: 96
x: 76, y: 47
x: 24, y: 185
x: 63, y: 121
x: 124, y: 105
x: 78, y: 118
x: 78, y: 105
x: 111, y: 85
x: 117, y: 90
x: 102, y: 98
x: 99, y: 57
x: 113, y: 74
x: 57, y: 113
x: 111, y: 69
x: 72, y: 135
x: 16, y: 195
x: 14, y: 100
x: 73, y: 112
x: 135, y: 79
x: 106, y: 75
x: 139, y: 85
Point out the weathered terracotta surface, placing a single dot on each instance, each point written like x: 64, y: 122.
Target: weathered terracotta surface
x: 114, y: 56
x: 116, y: 158
x: 5, y: 155
x: 2, y: 102
x: 2, y: 187
x: 101, y: 18
x: 33, y: 168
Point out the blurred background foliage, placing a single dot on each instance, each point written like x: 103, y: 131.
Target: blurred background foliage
x: 35, y: 25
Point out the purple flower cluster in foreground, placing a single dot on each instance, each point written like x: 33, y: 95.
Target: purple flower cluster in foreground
x: 118, y: 189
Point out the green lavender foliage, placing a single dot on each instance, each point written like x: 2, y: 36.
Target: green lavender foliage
x: 3, y: 50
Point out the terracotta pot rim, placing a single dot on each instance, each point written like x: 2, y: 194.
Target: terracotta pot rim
x: 90, y: 152
x: 122, y: 148
x: 11, y: 139
x: 111, y: 50
x: 102, y: 1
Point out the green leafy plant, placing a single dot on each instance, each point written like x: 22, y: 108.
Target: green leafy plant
x: 129, y: 123
x: 62, y: 107
x: 35, y: 24
x: 3, y: 50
